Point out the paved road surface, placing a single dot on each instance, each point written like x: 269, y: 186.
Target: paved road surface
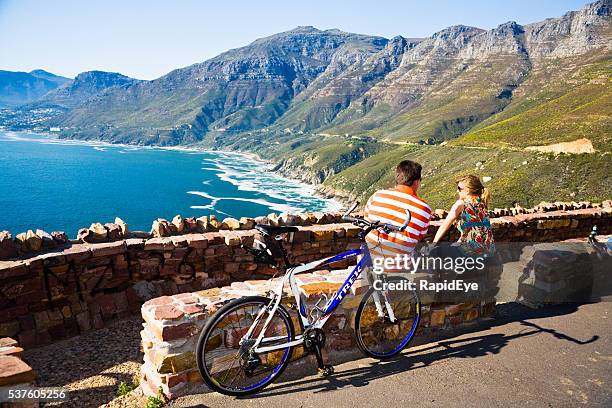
x: 558, y: 357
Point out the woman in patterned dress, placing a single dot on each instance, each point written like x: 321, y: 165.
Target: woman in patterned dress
x: 470, y: 214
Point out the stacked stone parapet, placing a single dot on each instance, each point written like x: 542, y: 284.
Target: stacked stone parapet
x: 36, y: 241
x: 173, y: 323
x: 76, y: 287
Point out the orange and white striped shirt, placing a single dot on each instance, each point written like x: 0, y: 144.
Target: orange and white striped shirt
x: 389, y: 206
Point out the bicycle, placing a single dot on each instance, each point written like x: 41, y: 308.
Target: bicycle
x: 603, y: 251
x: 247, y: 344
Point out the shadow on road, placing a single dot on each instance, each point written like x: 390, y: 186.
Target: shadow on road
x: 471, y: 347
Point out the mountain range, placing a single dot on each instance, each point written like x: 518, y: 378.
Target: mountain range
x: 338, y: 109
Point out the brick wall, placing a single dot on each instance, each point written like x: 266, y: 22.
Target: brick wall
x: 173, y: 323
x: 80, y: 286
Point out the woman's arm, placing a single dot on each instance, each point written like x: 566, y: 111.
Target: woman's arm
x: 453, y: 214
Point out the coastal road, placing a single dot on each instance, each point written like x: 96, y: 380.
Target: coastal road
x: 558, y: 357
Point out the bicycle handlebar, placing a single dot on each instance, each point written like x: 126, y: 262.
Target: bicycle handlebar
x: 370, y: 225
x: 350, y: 210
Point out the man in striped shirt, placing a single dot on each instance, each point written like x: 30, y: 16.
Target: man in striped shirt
x: 389, y: 206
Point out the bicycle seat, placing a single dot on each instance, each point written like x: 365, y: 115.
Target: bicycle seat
x: 272, y: 230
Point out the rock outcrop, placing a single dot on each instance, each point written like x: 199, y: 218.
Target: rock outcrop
x: 8, y: 249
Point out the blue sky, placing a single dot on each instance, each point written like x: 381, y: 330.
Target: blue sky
x: 146, y: 39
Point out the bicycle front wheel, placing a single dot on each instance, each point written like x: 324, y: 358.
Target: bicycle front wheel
x: 379, y: 336
x: 224, y: 352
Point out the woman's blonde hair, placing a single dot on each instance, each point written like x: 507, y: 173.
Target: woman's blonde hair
x: 475, y: 187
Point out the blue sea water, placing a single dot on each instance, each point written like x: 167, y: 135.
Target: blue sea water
x: 59, y: 185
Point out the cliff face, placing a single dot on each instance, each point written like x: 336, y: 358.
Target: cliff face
x: 574, y: 33
x: 460, y: 76
x: 350, y: 74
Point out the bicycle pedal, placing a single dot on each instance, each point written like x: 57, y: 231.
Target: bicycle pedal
x: 326, y: 371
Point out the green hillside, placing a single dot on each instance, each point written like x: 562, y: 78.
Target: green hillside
x: 528, y: 177
x: 559, y: 102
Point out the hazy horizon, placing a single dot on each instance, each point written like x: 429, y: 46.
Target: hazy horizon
x: 148, y: 40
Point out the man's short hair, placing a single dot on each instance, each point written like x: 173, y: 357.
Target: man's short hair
x: 407, y: 172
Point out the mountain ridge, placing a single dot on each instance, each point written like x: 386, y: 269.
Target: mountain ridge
x: 85, y: 85
x: 18, y: 87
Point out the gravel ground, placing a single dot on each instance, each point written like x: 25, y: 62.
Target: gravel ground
x: 92, y: 365
x: 132, y: 400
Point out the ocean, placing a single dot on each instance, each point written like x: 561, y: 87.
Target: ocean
x: 60, y: 185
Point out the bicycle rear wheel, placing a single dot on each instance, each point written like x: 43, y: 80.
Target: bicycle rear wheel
x: 224, y: 355
x: 379, y: 337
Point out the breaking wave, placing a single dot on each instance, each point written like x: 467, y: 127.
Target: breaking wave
x: 271, y: 190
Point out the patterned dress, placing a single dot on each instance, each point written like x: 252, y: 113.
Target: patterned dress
x: 476, y: 234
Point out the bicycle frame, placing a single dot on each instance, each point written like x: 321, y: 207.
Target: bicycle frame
x: 365, y: 262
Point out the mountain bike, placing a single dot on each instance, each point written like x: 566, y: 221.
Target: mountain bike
x: 246, y: 344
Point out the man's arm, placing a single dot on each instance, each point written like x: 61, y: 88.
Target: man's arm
x: 426, y: 227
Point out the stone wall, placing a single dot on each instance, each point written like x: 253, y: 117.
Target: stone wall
x: 548, y: 273
x: 36, y: 241
x: 78, y: 287
x: 81, y: 286
x: 172, y: 325
x: 571, y: 271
